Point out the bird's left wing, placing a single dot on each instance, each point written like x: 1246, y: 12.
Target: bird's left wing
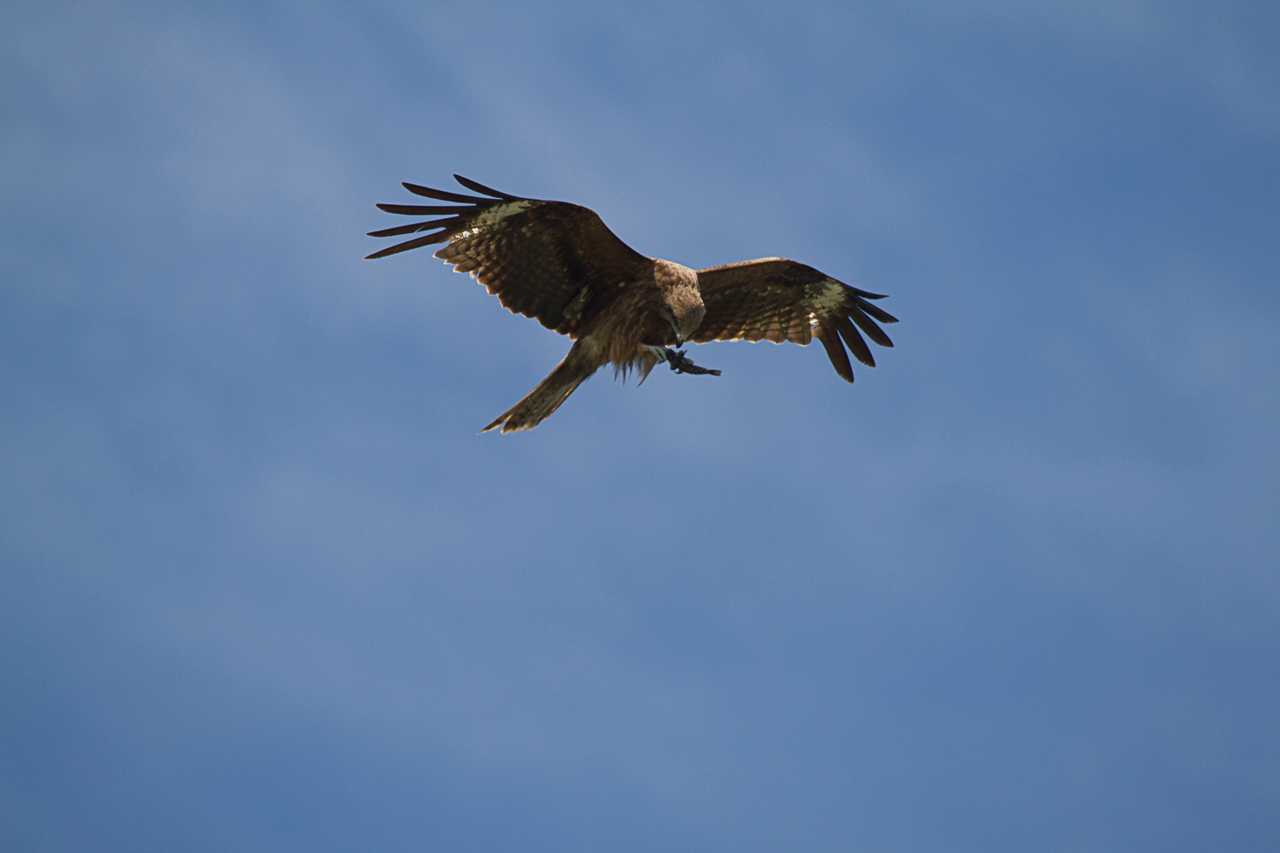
x: 543, y: 259
x: 779, y: 300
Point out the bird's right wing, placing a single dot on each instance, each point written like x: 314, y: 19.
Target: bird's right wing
x: 543, y: 259
x: 779, y: 300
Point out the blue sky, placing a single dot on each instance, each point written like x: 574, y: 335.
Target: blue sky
x: 268, y: 589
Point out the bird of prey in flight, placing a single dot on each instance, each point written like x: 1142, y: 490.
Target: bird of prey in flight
x: 558, y: 263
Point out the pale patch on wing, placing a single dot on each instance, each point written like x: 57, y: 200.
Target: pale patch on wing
x: 490, y: 217
x: 493, y: 215
x: 482, y: 221
x: 830, y: 299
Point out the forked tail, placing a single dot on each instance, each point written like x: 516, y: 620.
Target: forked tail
x: 542, y: 401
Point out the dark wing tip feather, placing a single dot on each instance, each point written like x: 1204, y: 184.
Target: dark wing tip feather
x: 437, y: 237
x: 854, y: 341
x: 476, y: 186
x: 445, y: 195
x: 412, y: 228
x: 868, y: 326
x: 835, y: 352
x: 424, y: 209
x: 875, y: 311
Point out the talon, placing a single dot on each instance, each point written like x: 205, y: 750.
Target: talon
x: 681, y: 363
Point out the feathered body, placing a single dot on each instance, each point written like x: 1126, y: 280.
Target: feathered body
x: 558, y: 263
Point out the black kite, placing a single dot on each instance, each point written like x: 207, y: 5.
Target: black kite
x: 558, y: 263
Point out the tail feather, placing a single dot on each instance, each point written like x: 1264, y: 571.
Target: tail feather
x: 542, y: 401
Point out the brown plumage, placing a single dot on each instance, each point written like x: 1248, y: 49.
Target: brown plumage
x: 559, y: 264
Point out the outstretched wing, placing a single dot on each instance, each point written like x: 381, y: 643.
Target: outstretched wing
x: 779, y: 300
x: 543, y: 259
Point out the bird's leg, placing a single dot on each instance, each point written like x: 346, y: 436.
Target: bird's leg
x: 681, y: 363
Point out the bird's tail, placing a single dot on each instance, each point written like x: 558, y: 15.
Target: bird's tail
x: 542, y: 401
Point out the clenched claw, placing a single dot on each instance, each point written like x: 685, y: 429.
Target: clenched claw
x: 681, y: 363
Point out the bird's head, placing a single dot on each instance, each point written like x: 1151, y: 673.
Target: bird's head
x: 681, y: 299
x: 685, y: 316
